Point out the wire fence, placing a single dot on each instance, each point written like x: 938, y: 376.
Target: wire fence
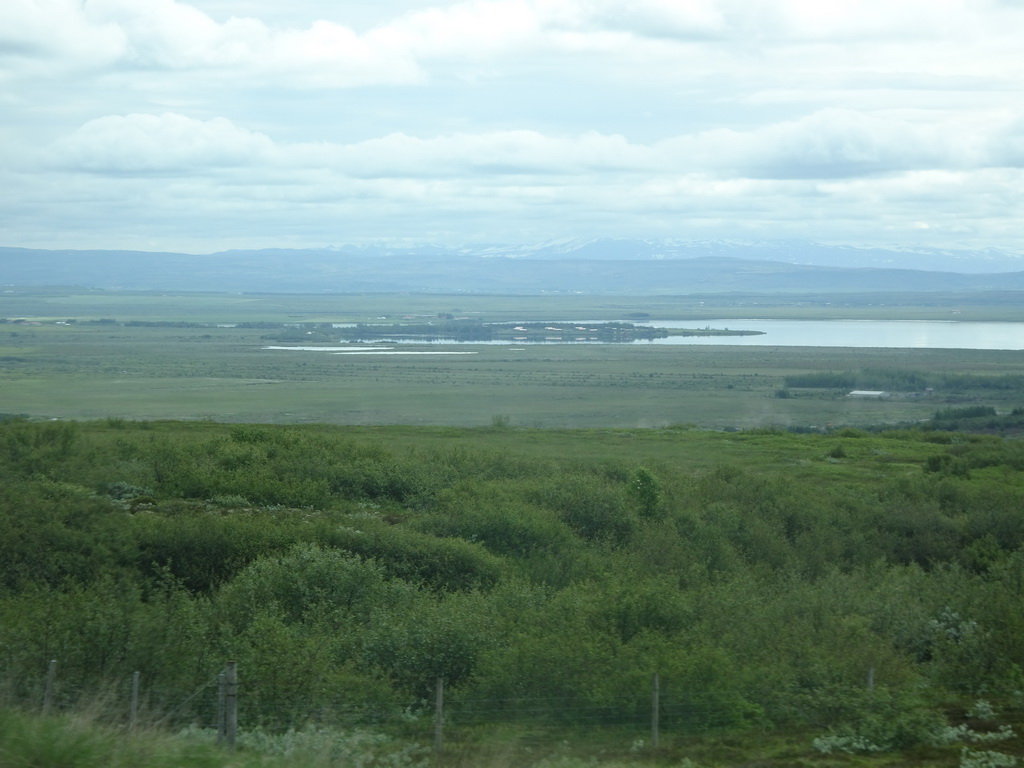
x: 221, y: 703
x: 125, y: 701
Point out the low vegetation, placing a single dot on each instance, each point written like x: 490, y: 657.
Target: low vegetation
x: 850, y: 597
x: 812, y: 579
x: 142, y: 366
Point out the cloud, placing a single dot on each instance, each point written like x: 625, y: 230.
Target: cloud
x: 683, y: 37
x: 866, y: 19
x: 53, y: 37
x: 678, y: 19
x: 510, y: 118
x: 158, y: 144
x: 1006, y: 143
x: 516, y: 184
x: 827, y: 144
x: 498, y: 153
x: 163, y: 33
x: 834, y: 143
x: 171, y: 34
x: 467, y: 29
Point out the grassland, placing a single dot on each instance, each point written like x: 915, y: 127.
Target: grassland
x: 106, y: 364
x: 59, y: 303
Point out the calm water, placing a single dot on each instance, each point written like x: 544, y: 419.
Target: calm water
x: 914, y: 334
x: 919, y: 334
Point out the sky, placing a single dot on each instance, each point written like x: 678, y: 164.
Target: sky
x: 205, y: 125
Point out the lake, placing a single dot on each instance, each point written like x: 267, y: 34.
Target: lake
x: 910, y: 334
x: 915, y: 334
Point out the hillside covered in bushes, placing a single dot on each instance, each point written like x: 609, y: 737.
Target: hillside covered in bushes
x: 864, y: 590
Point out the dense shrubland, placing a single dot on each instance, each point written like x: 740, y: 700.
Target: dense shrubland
x: 346, y: 570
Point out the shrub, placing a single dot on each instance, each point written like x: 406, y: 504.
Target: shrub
x: 309, y: 583
x: 874, y: 719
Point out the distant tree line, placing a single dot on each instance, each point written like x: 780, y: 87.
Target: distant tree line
x: 897, y: 380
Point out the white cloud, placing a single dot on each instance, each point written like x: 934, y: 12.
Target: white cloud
x: 510, y: 118
x: 467, y: 29
x: 1006, y: 143
x: 161, y: 33
x: 153, y: 35
x: 826, y: 145
x: 49, y: 37
x: 500, y: 153
x: 829, y: 143
x: 681, y: 19
x: 872, y: 19
x: 330, y: 56
x: 836, y: 143
x: 157, y: 144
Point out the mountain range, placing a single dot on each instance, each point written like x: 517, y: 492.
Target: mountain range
x: 596, y: 266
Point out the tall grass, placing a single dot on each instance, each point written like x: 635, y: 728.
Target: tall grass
x: 80, y: 741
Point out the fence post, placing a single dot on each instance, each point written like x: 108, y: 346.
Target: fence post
x: 133, y: 707
x: 439, y: 716
x: 655, y: 709
x: 51, y: 678
x: 221, y: 721
x: 231, y: 703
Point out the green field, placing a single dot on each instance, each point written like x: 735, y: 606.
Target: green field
x: 199, y: 369
x: 62, y: 303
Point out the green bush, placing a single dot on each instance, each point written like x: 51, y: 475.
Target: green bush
x: 440, y: 564
x: 310, y: 584
x: 874, y: 720
x: 492, y: 514
x: 432, y: 638
x: 595, y: 509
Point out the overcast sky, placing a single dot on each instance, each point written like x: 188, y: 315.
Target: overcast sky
x: 201, y: 125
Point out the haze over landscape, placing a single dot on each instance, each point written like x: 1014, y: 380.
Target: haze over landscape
x: 209, y: 125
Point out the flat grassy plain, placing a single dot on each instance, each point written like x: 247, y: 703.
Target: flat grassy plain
x: 58, y: 303
x: 207, y: 370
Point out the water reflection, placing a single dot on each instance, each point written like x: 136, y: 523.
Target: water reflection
x: 370, y: 350
x: 911, y: 334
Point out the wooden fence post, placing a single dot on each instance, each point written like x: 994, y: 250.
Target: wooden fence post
x: 221, y: 720
x: 231, y: 703
x: 439, y: 716
x: 51, y: 679
x: 655, y: 709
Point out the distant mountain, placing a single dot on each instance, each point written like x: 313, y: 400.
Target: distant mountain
x: 786, y: 251
x: 623, y: 267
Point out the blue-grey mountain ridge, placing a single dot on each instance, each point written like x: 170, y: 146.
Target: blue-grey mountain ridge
x: 596, y: 266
